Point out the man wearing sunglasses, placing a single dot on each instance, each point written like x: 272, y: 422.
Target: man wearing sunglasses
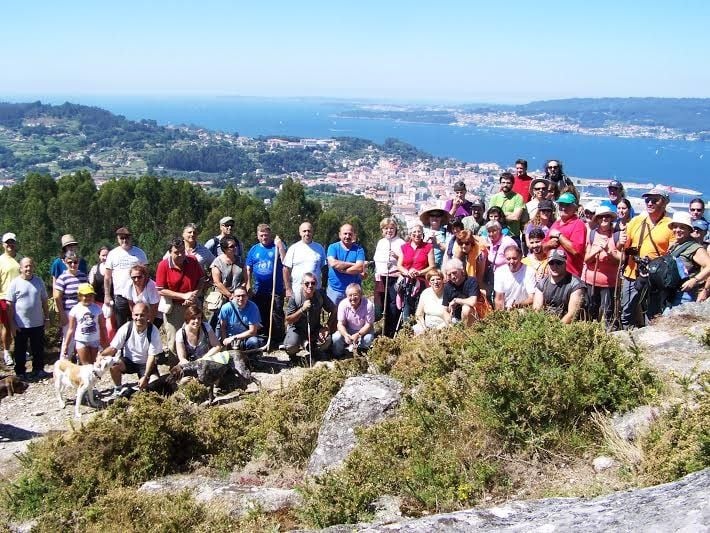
x: 560, y: 293
x: 648, y: 236
x: 226, y: 227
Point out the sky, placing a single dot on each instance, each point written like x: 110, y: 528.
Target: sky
x: 475, y: 51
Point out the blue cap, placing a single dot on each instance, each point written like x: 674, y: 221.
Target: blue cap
x: 700, y: 224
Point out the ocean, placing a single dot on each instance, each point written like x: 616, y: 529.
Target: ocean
x: 671, y: 163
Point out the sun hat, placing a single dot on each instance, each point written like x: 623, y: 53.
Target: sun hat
x: 656, y: 191
x: 681, y: 218
x: 68, y: 239
x: 226, y: 220
x: 604, y: 210
x: 9, y: 237
x: 427, y: 212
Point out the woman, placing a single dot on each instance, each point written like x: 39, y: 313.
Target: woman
x: 431, y: 314
x: 195, y: 338
x: 96, y: 279
x: 496, y: 243
x: 623, y: 214
x: 435, y: 221
x: 416, y: 260
x: 543, y: 219
x: 471, y: 253
x: 495, y: 214
x: 538, y: 191
x: 226, y: 274
x: 387, y: 253
x: 66, y: 296
x: 87, y: 326
x: 142, y: 289
x: 695, y: 259
x: 601, y: 266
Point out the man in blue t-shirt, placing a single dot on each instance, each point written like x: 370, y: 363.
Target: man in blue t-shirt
x: 262, y: 259
x: 346, y: 263
x: 240, y: 321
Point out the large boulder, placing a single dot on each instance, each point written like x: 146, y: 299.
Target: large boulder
x: 678, y: 506
x: 361, y: 402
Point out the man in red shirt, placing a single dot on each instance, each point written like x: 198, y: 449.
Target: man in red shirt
x: 521, y: 185
x: 178, y: 278
x: 568, y: 233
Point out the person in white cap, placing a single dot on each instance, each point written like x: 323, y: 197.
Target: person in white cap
x: 226, y: 227
x: 69, y: 244
x: 601, y: 265
x: 560, y: 293
x: 694, y: 257
x: 647, y: 236
x: 9, y: 270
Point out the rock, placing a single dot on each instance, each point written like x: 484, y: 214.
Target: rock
x: 233, y: 498
x: 678, y: 506
x: 361, y: 402
x: 386, y: 509
x: 631, y: 425
x: 603, y: 462
x: 24, y: 527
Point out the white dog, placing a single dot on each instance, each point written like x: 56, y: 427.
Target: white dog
x: 83, y: 377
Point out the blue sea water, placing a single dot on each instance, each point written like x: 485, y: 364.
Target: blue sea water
x: 674, y: 163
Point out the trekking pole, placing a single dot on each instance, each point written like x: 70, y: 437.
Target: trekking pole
x: 594, y: 287
x: 310, y: 339
x: 387, y: 281
x: 265, y: 348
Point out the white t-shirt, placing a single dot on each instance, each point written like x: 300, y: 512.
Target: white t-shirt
x: 433, y: 308
x: 302, y: 258
x: 137, y: 348
x: 120, y: 262
x: 382, y: 255
x: 517, y: 286
x: 149, y: 295
x: 87, y: 322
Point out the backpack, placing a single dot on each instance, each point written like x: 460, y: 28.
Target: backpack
x: 129, y: 330
x: 668, y: 271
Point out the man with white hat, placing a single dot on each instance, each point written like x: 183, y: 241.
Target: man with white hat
x: 9, y: 270
x: 648, y: 236
x: 560, y: 292
x: 226, y: 227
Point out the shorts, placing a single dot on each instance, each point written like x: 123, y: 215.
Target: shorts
x: 4, y: 317
x: 90, y: 344
x: 135, y: 368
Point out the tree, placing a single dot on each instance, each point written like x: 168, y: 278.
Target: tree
x: 290, y: 208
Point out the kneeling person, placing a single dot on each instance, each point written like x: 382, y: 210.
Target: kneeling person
x: 560, y: 292
x: 460, y: 293
x: 304, y: 309
x: 240, y: 321
x: 356, y: 318
x: 140, y: 346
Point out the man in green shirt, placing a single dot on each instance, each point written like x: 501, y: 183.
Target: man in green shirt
x: 511, y: 203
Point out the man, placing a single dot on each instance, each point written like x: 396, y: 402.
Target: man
x: 696, y: 208
x: 69, y: 244
x: 195, y: 249
x: 28, y: 313
x: 239, y: 322
x: 9, y: 270
x: 119, y: 262
x: 511, y: 203
x: 700, y: 231
x: 475, y: 221
x: 356, y: 320
x: 264, y: 264
x: 647, y: 236
x: 615, y: 192
x: 460, y: 293
x: 568, y: 233
x: 522, y: 180
x: 458, y: 207
x: 306, y: 307
x: 178, y: 278
x: 140, y: 346
x: 301, y: 257
x: 540, y: 188
x: 536, y: 258
x: 514, y: 282
x: 226, y: 226
x: 560, y: 292
x: 346, y: 263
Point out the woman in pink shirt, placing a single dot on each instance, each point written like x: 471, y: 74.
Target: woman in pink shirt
x: 416, y: 260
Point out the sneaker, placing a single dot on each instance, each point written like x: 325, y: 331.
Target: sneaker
x: 115, y: 394
x: 28, y: 356
x: 8, y: 359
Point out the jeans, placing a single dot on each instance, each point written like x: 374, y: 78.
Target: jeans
x: 35, y: 337
x: 639, y: 305
x: 339, y: 343
x: 122, y: 310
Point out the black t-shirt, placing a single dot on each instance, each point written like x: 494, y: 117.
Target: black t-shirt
x: 468, y: 288
x: 556, y: 295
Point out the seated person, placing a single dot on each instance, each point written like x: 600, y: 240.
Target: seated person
x: 560, y: 293
x: 431, y: 314
x: 356, y: 319
x: 140, y: 346
x: 514, y: 282
x: 306, y: 306
x: 460, y: 293
x: 240, y: 322
x: 195, y: 338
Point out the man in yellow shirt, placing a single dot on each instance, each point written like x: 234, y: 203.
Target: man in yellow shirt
x: 647, y: 236
x: 9, y: 270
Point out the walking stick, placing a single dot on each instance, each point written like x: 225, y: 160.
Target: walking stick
x: 387, y: 281
x: 310, y: 339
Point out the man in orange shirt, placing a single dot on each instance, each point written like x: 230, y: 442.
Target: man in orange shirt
x: 647, y: 236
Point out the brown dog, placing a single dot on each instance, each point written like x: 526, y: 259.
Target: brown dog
x: 11, y: 385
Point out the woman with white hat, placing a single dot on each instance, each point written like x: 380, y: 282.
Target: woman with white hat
x: 694, y: 257
x: 435, y: 220
x: 601, y: 265
x: 69, y: 244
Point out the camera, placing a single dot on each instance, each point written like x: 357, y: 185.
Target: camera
x: 632, y: 251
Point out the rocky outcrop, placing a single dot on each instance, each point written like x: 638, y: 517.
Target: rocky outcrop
x: 361, y: 402
x: 679, y: 506
x: 235, y: 499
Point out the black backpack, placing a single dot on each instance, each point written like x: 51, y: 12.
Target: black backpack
x: 664, y: 272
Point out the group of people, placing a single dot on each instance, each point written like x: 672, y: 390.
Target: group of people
x: 534, y: 247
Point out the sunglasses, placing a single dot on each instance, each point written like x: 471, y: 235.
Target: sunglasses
x: 309, y: 283
x: 539, y: 188
x: 555, y: 263
x: 135, y: 278
x: 72, y: 262
x: 652, y: 199
x: 552, y: 166
x: 464, y: 243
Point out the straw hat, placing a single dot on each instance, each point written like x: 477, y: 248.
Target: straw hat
x: 426, y: 214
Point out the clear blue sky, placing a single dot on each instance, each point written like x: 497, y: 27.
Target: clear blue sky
x: 446, y: 50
